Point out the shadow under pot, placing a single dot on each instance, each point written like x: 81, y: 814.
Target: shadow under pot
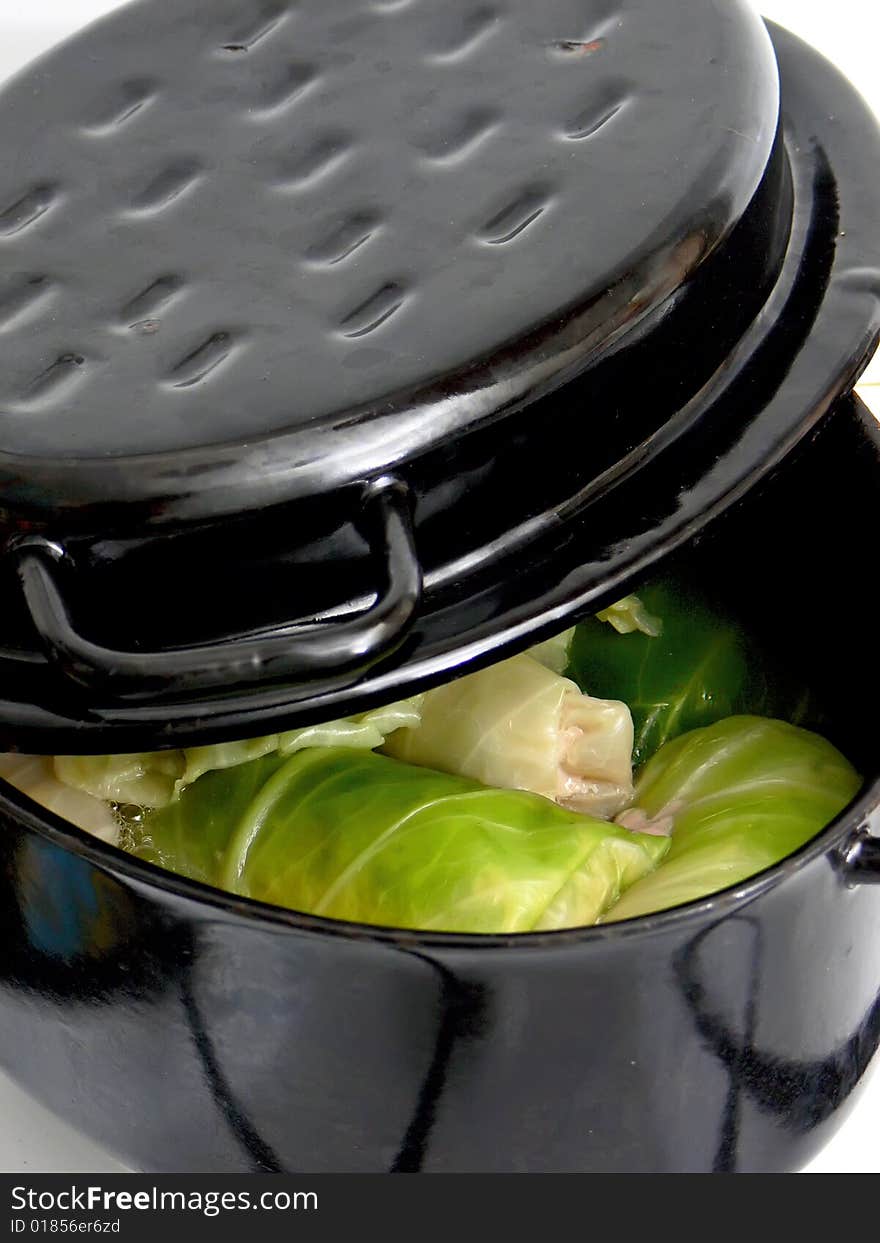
x: 483, y: 424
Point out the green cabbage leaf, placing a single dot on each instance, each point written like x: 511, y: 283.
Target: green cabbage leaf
x: 355, y: 836
x: 157, y: 779
x: 701, y: 668
x: 627, y: 616
x: 741, y: 795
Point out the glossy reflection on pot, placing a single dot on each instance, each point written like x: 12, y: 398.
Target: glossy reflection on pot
x: 497, y: 433
x: 731, y: 1037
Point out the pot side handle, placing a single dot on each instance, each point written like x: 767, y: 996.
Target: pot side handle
x: 338, y: 650
x: 862, y: 859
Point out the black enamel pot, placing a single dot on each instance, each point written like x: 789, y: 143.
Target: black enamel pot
x: 189, y: 1030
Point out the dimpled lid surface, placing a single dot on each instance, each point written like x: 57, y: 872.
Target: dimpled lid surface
x: 349, y: 229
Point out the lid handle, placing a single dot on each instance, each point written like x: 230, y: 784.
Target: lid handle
x: 326, y: 649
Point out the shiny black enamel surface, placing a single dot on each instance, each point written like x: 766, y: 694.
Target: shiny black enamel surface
x: 328, y: 247
x: 513, y: 536
x: 189, y: 1031
x: 345, y: 647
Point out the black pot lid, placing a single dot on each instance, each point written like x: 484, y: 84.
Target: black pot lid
x: 344, y: 347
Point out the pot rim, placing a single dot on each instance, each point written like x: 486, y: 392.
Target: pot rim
x: 839, y: 836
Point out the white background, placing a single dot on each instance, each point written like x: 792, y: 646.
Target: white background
x: 848, y: 31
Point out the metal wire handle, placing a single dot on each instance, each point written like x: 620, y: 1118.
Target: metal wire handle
x: 301, y: 653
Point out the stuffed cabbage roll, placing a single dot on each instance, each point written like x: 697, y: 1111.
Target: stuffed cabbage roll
x: 361, y: 837
x: 693, y: 667
x: 34, y: 776
x: 157, y: 779
x: 739, y: 797
x: 520, y: 726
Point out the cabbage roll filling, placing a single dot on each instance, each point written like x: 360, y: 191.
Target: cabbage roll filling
x: 521, y: 726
